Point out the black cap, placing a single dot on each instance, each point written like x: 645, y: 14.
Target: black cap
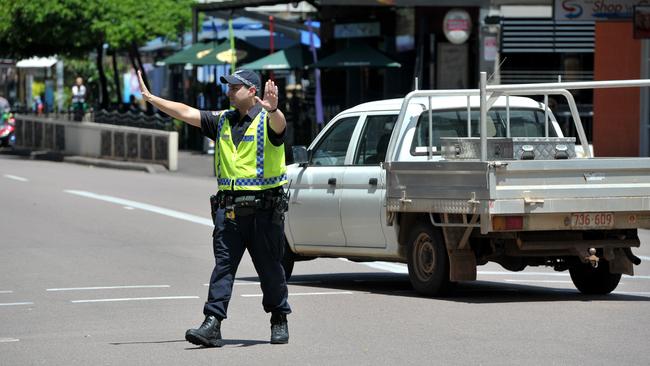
x: 245, y: 77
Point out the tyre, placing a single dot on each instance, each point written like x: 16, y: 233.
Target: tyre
x: 594, y: 281
x: 428, y: 262
x: 288, y: 260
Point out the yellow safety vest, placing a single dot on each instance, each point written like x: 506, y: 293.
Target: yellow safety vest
x: 255, y: 164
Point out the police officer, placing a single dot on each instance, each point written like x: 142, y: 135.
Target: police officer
x: 249, y: 206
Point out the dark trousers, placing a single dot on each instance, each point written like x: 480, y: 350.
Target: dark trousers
x: 264, y: 240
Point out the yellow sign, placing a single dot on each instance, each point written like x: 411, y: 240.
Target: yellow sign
x: 228, y: 56
x: 202, y: 54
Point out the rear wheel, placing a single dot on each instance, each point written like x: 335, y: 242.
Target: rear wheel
x: 428, y: 263
x: 594, y: 281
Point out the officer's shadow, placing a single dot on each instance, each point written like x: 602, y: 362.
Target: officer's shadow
x: 226, y: 343
x: 233, y: 343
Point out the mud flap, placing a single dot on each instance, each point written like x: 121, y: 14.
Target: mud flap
x: 462, y: 265
x: 620, y: 262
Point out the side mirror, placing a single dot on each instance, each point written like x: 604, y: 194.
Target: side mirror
x: 300, y: 155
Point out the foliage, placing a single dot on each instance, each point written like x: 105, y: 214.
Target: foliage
x: 76, y: 27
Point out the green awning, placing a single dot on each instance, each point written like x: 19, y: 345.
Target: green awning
x: 202, y: 54
x: 295, y: 57
x: 357, y: 55
x: 196, y: 54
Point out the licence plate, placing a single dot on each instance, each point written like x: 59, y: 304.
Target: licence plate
x: 592, y: 220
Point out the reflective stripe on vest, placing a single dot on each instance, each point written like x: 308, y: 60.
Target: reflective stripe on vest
x: 244, y: 167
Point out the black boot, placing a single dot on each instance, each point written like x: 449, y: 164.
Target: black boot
x: 279, y: 329
x: 208, y: 334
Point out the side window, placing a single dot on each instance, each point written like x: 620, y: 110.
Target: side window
x: 374, y: 139
x: 332, y: 148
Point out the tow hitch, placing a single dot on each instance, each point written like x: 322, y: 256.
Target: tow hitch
x: 592, y: 258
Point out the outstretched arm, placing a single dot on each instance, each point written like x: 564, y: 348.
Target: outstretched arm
x: 177, y: 110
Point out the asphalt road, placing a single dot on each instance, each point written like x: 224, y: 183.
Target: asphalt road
x: 109, y: 267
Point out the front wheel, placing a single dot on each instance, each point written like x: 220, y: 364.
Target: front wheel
x: 594, y: 281
x: 428, y: 262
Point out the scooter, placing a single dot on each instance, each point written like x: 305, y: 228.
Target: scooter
x: 7, y: 130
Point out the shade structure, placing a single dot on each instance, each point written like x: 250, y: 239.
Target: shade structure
x: 196, y: 54
x: 295, y: 57
x: 356, y: 55
x: 36, y: 62
x: 203, y: 54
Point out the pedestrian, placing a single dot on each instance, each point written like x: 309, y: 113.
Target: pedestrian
x: 78, y: 98
x: 248, y: 210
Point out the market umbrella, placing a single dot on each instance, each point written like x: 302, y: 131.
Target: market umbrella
x: 295, y: 57
x: 196, y: 54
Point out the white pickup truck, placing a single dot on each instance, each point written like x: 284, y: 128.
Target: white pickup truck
x: 409, y: 180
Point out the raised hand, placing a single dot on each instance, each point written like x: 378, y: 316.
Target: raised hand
x: 146, y: 95
x: 270, y: 101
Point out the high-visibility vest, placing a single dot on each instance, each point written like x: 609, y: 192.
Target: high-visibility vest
x: 255, y: 164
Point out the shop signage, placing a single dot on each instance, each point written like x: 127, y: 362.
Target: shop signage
x: 490, y: 48
x: 457, y: 26
x: 357, y: 30
x: 590, y: 10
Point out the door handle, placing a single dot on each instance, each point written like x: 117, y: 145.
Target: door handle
x: 331, y: 181
x: 372, y: 181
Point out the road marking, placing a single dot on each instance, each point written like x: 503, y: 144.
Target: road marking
x: 6, y: 292
x: 135, y: 299
x: 144, y: 206
x: 384, y: 266
x: 16, y: 303
x: 537, y: 281
x: 7, y: 340
x: 129, y: 208
x: 630, y: 293
x: 306, y: 294
x: 559, y: 274
x: 238, y: 283
x: 402, y: 269
x: 105, y: 287
x: 645, y: 258
x: 15, y: 177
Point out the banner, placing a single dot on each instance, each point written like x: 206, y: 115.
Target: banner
x: 591, y: 10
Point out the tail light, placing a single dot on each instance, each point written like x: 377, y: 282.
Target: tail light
x: 504, y: 223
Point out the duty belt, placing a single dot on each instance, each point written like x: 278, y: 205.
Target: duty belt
x: 262, y: 199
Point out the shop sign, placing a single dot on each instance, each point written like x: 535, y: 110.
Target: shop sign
x: 590, y: 10
x: 490, y: 48
x: 357, y: 30
x: 457, y: 26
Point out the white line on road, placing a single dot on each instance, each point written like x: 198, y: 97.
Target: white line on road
x: 7, y: 340
x: 630, y: 293
x: 6, y: 292
x: 402, y: 268
x: 135, y: 299
x: 105, y: 287
x: 143, y: 206
x: 129, y: 208
x: 15, y: 177
x: 16, y: 303
x: 538, y: 281
x: 643, y: 257
x: 306, y: 294
x: 238, y: 283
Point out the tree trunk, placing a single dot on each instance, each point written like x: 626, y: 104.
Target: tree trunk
x: 103, y: 88
x: 116, y: 79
